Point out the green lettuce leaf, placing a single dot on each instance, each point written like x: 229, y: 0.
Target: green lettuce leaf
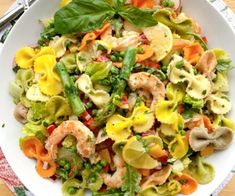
x: 180, y: 25
x: 195, y: 103
x: 98, y: 70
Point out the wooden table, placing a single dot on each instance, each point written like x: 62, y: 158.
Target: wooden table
x: 229, y: 190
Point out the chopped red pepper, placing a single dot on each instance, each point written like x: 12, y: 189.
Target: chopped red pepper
x: 106, y: 168
x: 86, y: 116
x: 51, y: 128
x: 163, y: 159
x: 124, y: 99
x: 205, y: 39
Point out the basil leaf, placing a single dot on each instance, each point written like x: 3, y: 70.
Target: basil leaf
x: 140, y: 18
x: 82, y: 16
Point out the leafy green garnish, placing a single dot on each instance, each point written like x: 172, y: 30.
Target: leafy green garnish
x: 88, y: 15
x: 195, y: 103
x: 198, y: 38
x: 223, y: 65
x: 47, y: 34
x: 98, y: 70
x: 111, y: 192
x: 131, y: 181
x: 189, y: 112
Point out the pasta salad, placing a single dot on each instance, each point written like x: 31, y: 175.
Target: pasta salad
x: 123, y: 98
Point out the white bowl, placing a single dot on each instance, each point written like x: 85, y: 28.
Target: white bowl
x: 26, y: 32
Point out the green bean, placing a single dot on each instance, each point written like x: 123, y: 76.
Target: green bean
x: 70, y: 90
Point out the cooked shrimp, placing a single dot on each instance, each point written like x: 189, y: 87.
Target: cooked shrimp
x: 115, y: 180
x: 85, y: 138
x: 179, y: 44
x: 207, y: 63
x: 129, y: 38
x: 158, y: 177
x: 149, y: 83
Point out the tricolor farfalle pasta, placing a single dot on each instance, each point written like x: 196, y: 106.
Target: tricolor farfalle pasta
x: 123, y: 100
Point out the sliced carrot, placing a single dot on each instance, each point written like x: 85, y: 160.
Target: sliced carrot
x: 148, y: 52
x: 89, y: 37
x: 143, y: 3
x: 118, y: 64
x: 207, y: 124
x: 209, y: 150
x: 46, y: 169
x: 188, y: 184
x: 193, y: 52
x: 145, y: 172
x: 157, y: 151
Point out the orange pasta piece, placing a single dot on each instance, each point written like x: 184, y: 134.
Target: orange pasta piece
x: 148, y: 52
x: 32, y: 147
x: 143, y: 3
x: 193, y: 52
x: 207, y: 124
x: 48, y: 171
x: 89, y: 37
x: 188, y: 184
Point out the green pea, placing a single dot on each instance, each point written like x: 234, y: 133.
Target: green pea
x: 113, y: 58
x: 93, y: 179
x: 140, y: 50
x: 67, y: 166
x: 94, y: 112
x: 103, y: 162
x: 89, y: 105
x: 62, y: 162
x: 119, y: 59
x: 71, y: 190
x: 180, y: 126
x: 67, y: 43
x: 87, y: 166
x: 122, y: 53
x: 98, y: 168
x: 74, y: 78
x: 63, y: 173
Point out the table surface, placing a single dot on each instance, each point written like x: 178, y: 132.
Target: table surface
x: 229, y: 190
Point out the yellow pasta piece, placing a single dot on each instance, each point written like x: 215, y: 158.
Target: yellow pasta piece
x: 178, y: 148
x: 119, y: 128
x: 25, y: 56
x: 49, y: 82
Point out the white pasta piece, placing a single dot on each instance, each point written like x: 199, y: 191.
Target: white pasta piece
x: 34, y: 94
x: 58, y: 43
x: 199, y: 87
x: 176, y: 75
x: 219, y: 103
x: 99, y: 97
